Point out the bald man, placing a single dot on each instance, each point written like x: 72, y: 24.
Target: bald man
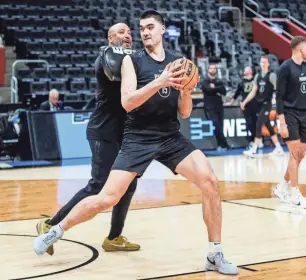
x: 53, y: 104
x: 104, y: 134
x: 250, y: 112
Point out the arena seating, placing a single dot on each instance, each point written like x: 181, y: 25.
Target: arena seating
x: 69, y: 36
x: 296, y: 8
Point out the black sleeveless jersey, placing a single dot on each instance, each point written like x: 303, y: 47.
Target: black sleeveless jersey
x: 158, y: 116
x: 265, y: 88
x: 107, y: 120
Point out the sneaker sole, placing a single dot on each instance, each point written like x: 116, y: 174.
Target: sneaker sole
x: 118, y: 249
x: 210, y: 267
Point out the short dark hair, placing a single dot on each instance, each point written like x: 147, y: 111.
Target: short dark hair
x: 295, y: 41
x: 153, y: 14
x: 265, y: 56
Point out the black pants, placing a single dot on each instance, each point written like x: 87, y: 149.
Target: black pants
x: 104, y: 154
x: 264, y: 119
x: 216, y: 115
x: 250, y: 115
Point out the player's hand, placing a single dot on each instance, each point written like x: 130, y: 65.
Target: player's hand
x: 170, y: 77
x: 283, y: 130
x: 242, y: 106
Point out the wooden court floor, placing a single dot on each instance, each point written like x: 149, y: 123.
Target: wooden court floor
x: 265, y: 238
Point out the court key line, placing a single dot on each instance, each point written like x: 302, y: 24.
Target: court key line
x: 95, y: 255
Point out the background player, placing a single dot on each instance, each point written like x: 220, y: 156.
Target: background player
x: 251, y: 109
x: 291, y: 107
x: 264, y: 86
x: 104, y: 133
x: 152, y: 132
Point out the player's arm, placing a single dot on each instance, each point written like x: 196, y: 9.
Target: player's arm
x: 185, y: 104
x: 251, y: 95
x: 281, y: 86
x: 131, y: 97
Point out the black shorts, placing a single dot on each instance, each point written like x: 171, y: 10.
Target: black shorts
x: 296, y: 123
x: 137, y: 153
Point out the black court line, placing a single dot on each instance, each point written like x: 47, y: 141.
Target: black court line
x: 261, y: 207
x: 241, y: 266
x: 95, y: 255
x: 273, y: 261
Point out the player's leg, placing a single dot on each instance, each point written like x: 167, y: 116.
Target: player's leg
x: 115, y: 241
x: 115, y: 187
x: 257, y: 140
x: 104, y: 153
x: 278, y: 151
x: 181, y: 157
x: 296, y: 154
x: 133, y: 159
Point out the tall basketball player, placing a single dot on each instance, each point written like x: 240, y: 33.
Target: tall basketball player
x: 104, y: 133
x: 264, y: 87
x: 291, y: 107
x: 152, y: 132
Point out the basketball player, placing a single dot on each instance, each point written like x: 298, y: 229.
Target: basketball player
x: 251, y: 109
x: 262, y: 91
x: 104, y: 133
x: 291, y: 108
x: 152, y: 132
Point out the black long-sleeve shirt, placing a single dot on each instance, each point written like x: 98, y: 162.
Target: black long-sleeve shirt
x: 212, y: 96
x: 291, y: 86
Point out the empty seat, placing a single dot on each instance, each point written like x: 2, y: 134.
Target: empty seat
x: 74, y: 72
x: 62, y: 59
x: 78, y: 86
x: 60, y: 85
x: 78, y: 59
x: 91, y: 58
x: 93, y: 85
x: 23, y: 73
x: 89, y: 72
x: 56, y: 73
x: 39, y: 87
x: 40, y: 73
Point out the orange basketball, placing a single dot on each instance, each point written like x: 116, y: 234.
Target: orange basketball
x: 191, y: 75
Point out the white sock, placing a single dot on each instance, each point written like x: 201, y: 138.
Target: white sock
x: 294, y: 190
x: 215, y: 247
x: 59, y: 230
x: 254, y: 148
x: 278, y: 146
x: 285, y: 184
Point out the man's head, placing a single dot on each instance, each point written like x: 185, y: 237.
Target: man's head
x: 264, y: 63
x: 53, y: 96
x: 212, y: 69
x: 298, y: 45
x: 248, y: 72
x: 152, y: 28
x: 119, y: 35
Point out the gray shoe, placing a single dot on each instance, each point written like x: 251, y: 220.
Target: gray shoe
x: 217, y: 262
x: 44, y: 241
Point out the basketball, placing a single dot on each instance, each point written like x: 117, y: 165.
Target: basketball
x: 191, y: 75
